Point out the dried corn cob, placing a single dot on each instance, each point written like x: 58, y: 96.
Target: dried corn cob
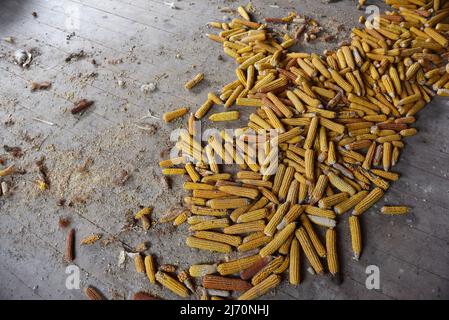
x: 255, y: 292
x: 192, y: 83
x: 172, y: 284
x: 368, y: 202
x: 294, y: 269
x: 172, y: 115
x: 395, y: 210
x: 309, y: 250
x: 356, y: 237
x: 150, y: 269
x: 331, y: 249
x: 224, y: 283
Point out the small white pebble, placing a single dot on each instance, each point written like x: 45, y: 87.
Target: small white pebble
x: 145, y: 88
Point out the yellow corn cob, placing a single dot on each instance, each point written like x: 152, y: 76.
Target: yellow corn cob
x: 435, y: 35
x: 139, y: 264
x: 270, y: 228
x: 295, y: 266
x: 253, y: 215
x: 219, y: 237
x: 350, y: 203
x: 210, y: 224
x: 227, y: 203
x: 197, y: 186
x: 172, y: 115
x: 259, y: 290
x: 392, y: 176
x: 205, y: 211
x: 340, y: 184
x: 295, y: 100
x: 201, y: 270
x: 181, y: 218
x: 238, y: 265
x: 285, y: 248
x: 291, y: 216
x: 173, y: 171
x: 386, y: 158
x: 252, y: 236
x: 150, y: 269
x: 225, y: 116
x: 172, y: 284
x: 208, y: 194
x: 341, y: 81
x: 254, y: 243
x: 247, y: 227
x: 250, y: 77
x: 319, y: 65
x: 369, y: 156
x: 310, y: 164
x: 251, y: 61
x: 292, y: 195
x: 368, y: 201
x: 283, y: 267
x: 269, y: 195
x: 192, y: 83
x: 315, y: 211
x: 332, y: 200
x: 331, y: 155
x: 319, y: 189
x: 240, y: 191
x: 356, y: 236
x: 286, y: 181
x: 316, y: 242
x: 209, y: 245
x: 395, y: 210
x: 311, y: 133
x: 331, y: 248
x: 307, y: 99
x: 332, y: 126
x: 216, y: 177
x: 213, y: 97
x: 412, y: 70
x: 278, y: 240
x: 309, y: 250
x: 205, y: 107
x: 192, y: 172
x: 172, y: 162
x: 267, y: 270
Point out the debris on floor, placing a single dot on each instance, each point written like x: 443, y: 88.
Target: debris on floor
x: 147, y: 88
x: 8, y: 39
x: 23, y: 57
x: 75, y: 56
x: 16, y: 152
x: 81, y: 106
x: 40, y: 85
x: 122, y: 177
x: 93, y: 293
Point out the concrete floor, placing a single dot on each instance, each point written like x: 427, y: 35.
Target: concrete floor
x: 143, y: 41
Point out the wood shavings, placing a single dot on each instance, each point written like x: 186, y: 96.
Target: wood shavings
x: 40, y: 86
x: 44, y: 121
